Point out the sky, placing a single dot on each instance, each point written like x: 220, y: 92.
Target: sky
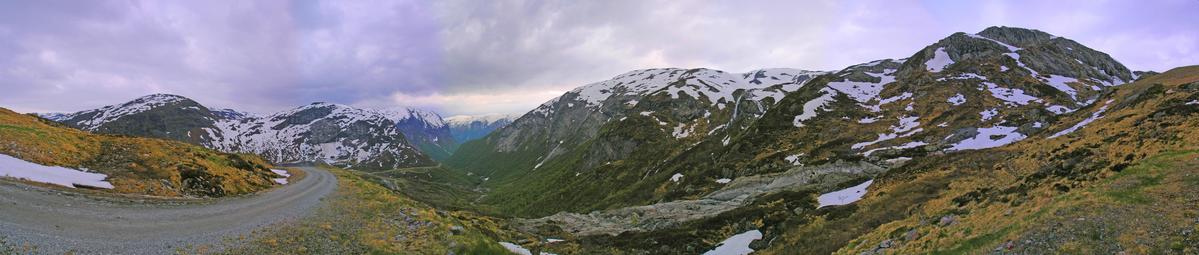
x: 504, y: 56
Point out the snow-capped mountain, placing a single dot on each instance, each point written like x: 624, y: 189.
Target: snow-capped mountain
x: 637, y: 130
x: 424, y: 129
x: 319, y: 132
x: 323, y: 132
x: 664, y: 111
x: 470, y: 127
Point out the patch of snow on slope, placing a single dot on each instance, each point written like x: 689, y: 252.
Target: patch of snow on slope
x: 989, y: 138
x: 958, y: 99
x: 863, y: 92
x: 62, y: 176
x: 1059, y: 82
x: 908, y: 145
x: 1015, y: 96
x: 519, y: 250
x: 1195, y: 102
x: 1094, y: 116
x: 1058, y: 109
x: 988, y: 114
x: 676, y: 177
x: 1016, y: 56
x: 811, y: 107
x: 737, y: 244
x: 939, y: 62
x: 283, y: 173
x: 845, y: 196
x: 905, y: 127
x: 681, y: 131
x: 723, y: 180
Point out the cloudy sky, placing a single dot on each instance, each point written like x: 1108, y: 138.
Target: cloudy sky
x: 505, y: 56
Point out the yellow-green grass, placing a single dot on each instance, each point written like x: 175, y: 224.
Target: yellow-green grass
x: 363, y: 217
x: 141, y: 166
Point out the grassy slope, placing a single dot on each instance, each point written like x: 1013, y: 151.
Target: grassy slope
x: 142, y: 166
x: 1020, y: 192
x: 364, y: 217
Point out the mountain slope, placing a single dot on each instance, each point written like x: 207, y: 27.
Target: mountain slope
x: 134, y: 165
x: 639, y: 117
x: 662, y: 135
x: 334, y: 134
x: 983, y: 151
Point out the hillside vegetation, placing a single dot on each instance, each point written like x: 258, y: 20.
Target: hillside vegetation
x: 142, y: 166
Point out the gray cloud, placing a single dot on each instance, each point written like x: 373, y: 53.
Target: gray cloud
x: 467, y: 57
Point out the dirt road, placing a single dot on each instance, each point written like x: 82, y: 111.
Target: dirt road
x: 57, y: 222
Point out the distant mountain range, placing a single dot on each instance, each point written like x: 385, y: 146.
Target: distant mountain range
x: 470, y: 127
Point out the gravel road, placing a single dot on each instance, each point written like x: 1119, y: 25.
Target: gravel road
x: 57, y: 222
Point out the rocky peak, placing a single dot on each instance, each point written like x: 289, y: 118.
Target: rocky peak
x: 1019, y: 37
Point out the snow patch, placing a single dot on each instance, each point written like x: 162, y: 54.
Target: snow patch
x: 519, y: 250
x: 283, y: 173
x: 845, y: 196
x: 676, y: 177
x: 988, y: 114
x: 62, y: 176
x: 1059, y: 82
x: 939, y: 62
x: 811, y: 107
x: 989, y: 138
x: 723, y: 180
x: 958, y: 99
x: 1094, y: 116
x: 737, y: 244
x: 1014, y: 96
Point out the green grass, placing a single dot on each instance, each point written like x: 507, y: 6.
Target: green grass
x: 1129, y: 185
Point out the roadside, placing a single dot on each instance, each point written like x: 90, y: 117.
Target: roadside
x: 364, y: 217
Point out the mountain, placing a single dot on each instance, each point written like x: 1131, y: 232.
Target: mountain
x: 629, y: 122
x: 159, y: 116
x: 668, y: 134
x: 1008, y: 140
x: 470, y: 127
x: 319, y: 132
x: 124, y: 164
x: 426, y: 130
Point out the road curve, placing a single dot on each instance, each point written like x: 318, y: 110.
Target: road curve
x: 56, y: 223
